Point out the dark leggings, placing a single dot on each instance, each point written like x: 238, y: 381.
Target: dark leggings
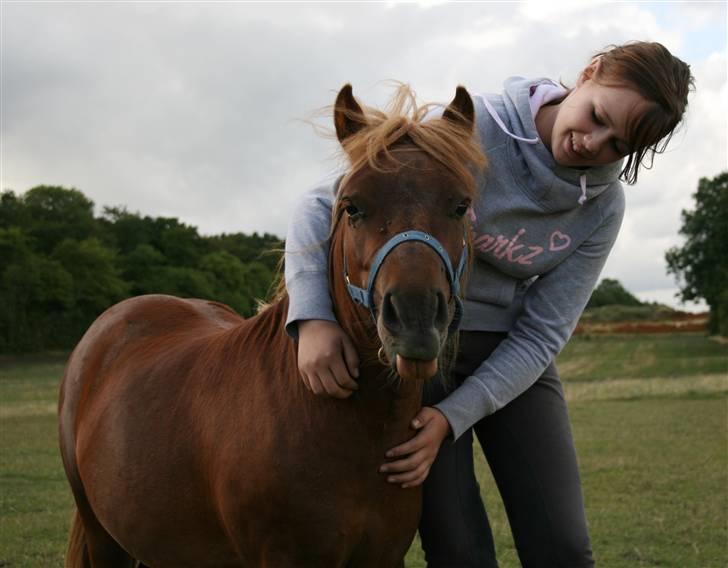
x: 530, y: 450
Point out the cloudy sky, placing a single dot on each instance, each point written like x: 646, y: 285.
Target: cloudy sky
x: 200, y: 110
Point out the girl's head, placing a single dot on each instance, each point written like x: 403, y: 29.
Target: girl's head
x: 662, y: 80
x: 627, y: 102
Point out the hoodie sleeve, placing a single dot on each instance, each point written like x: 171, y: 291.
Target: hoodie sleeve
x: 551, y: 309
x: 306, y: 257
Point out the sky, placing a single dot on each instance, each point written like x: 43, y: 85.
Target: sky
x: 203, y: 110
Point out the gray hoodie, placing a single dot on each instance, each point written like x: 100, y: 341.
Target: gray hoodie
x: 541, y: 236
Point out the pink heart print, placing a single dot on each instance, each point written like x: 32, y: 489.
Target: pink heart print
x: 559, y: 241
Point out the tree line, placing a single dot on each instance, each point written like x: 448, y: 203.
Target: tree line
x: 610, y: 292
x: 62, y: 265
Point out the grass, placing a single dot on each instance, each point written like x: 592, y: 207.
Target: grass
x: 654, y: 479
x: 35, y: 502
x: 649, y: 417
x: 680, y: 356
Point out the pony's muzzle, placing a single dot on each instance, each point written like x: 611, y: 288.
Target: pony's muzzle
x: 415, y: 323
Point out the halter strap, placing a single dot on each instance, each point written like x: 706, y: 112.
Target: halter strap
x: 366, y: 297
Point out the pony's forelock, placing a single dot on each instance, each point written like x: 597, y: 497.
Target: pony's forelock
x: 406, y: 121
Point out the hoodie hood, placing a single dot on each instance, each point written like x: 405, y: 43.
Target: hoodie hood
x: 554, y: 187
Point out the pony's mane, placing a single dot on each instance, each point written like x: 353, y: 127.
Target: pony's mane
x: 405, y: 121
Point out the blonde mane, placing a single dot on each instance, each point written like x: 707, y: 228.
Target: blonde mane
x: 405, y: 121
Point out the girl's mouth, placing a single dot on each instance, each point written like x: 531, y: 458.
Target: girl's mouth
x: 572, y: 148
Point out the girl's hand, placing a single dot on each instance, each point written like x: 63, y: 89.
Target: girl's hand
x: 420, y: 451
x: 327, y: 359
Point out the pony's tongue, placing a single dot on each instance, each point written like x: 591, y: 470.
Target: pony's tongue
x: 416, y: 368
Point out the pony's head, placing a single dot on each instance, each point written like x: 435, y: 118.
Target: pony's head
x: 399, y: 236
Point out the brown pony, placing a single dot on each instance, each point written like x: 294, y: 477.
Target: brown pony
x: 187, y: 435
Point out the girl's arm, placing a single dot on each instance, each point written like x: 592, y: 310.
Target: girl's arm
x: 551, y: 309
x: 306, y: 257
x: 327, y: 359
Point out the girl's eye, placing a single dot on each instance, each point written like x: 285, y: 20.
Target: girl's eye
x: 461, y: 209
x: 596, y: 118
x: 620, y: 148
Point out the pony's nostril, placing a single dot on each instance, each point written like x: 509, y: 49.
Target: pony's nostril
x: 390, y: 317
x: 442, y: 316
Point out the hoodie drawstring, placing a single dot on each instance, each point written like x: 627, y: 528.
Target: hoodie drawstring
x: 582, y: 183
x: 499, y: 122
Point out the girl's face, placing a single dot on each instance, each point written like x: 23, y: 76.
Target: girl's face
x: 591, y: 124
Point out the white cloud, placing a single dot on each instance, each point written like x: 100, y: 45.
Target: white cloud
x: 697, y: 15
x: 555, y: 11
x: 191, y: 109
x: 490, y: 34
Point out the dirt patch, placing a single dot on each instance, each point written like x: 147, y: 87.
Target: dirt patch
x: 684, y: 323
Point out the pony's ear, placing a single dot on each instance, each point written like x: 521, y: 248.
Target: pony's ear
x: 348, y: 116
x: 461, y: 110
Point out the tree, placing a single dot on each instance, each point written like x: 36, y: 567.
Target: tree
x: 611, y: 292
x: 60, y: 266
x: 142, y: 270
x: 229, y: 279
x: 55, y: 213
x: 180, y: 243
x: 700, y: 265
x: 266, y: 249
x: 185, y: 282
x: 260, y: 280
x: 96, y: 281
x: 35, y: 295
x: 126, y: 231
x: 14, y: 245
x: 12, y: 210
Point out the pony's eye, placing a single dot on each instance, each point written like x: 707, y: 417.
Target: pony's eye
x: 352, y: 210
x: 461, y: 209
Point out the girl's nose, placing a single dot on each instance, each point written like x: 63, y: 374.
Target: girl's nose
x: 588, y: 142
x: 594, y: 140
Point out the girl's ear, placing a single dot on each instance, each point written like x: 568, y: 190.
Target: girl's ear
x: 589, y: 71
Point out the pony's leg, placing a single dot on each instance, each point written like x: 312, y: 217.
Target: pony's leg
x: 104, y: 551
x: 100, y: 549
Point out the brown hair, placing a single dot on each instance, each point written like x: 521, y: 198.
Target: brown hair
x: 660, y: 78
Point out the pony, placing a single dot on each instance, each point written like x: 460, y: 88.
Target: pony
x: 187, y: 435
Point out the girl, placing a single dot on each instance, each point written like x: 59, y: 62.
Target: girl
x: 550, y: 207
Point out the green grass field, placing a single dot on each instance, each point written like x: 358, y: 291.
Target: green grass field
x: 649, y: 415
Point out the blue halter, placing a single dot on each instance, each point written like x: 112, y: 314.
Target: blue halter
x: 366, y: 297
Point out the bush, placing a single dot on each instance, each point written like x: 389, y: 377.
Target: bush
x: 644, y: 312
